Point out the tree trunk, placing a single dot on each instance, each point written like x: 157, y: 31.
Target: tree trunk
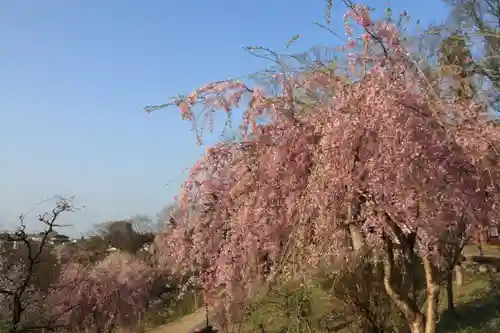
x: 449, y: 291
x: 356, y: 237
x: 459, y: 275
x: 432, y: 296
x: 482, y: 241
x: 409, y: 308
x: 353, y: 212
x: 17, y: 311
x: 418, y: 325
x: 483, y: 237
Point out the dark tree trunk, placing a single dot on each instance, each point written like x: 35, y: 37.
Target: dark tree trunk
x: 17, y: 311
x: 449, y: 291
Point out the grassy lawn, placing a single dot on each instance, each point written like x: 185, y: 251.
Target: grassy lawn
x: 489, y: 251
x: 477, y: 305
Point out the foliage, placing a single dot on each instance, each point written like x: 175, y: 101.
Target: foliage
x: 459, y: 63
x: 349, y: 299
x: 479, y: 20
x: 295, y: 307
x: 142, y: 224
x: 464, y: 51
x: 92, y: 249
x: 362, y: 296
x: 127, y: 235
x: 112, y: 293
x: 164, y: 216
x: 478, y: 302
x: 71, y: 287
x: 172, y: 307
x: 477, y: 305
x: 385, y: 153
x: 28, y: 271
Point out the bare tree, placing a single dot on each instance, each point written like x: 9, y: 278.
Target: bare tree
x: 478, y: 23
x: 165, y: 216
x: 142, y: 224
x: 24, y: 262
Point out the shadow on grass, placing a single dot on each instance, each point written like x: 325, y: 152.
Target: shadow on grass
x: 477, y: 315
x: 206, y: 329
x: 493, y: 261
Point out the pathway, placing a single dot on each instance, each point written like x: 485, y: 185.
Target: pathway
x: 186, y: 324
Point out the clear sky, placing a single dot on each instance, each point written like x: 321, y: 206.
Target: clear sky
x: 75, y: 75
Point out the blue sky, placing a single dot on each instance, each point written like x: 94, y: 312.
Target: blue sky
x: 75, y: 75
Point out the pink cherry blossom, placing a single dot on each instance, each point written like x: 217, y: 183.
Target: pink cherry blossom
x: 276, y: 202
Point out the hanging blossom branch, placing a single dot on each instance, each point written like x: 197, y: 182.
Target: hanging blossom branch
x: 372, y: 153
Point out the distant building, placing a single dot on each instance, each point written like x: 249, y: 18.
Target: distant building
x: 6, y: 241
x: 111, y: 249
x: 60, y: 239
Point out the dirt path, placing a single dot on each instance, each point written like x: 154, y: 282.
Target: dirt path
x: 186, y: 324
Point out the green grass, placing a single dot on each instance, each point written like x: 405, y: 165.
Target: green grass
x: 171, y: 311
x: 477, y: 305
x: 489, y: 250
